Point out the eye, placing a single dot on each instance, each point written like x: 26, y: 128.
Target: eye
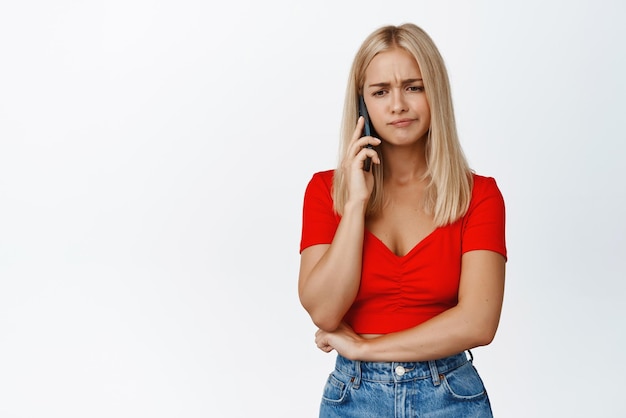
x: 379, y: 93
x: 415, y: 88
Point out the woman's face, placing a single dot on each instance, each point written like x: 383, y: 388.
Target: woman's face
x: 395, y: 98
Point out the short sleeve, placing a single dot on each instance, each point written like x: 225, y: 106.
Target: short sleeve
x: 484, y: 223
x: 319, y: 219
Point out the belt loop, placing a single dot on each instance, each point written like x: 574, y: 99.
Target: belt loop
x: 471, y: 359
x: 357, y: 374
x: 434, y: 372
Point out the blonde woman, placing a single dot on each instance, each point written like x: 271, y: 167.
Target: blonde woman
x: 402, y: 266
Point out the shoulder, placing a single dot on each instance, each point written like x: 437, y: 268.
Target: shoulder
x: 325, y: 177
x: 484, y: 222
x: 484, y: 187
x: 321, y: 181
x: 319, y: 220
x: 486, y: 197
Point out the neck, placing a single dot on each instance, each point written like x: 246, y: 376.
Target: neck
x: 404, y: 164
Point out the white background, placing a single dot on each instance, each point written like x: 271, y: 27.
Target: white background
x: 153, y: 159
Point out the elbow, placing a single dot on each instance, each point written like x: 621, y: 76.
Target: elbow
x: 479, y: 328
x: 484, y: 336
x: 328, y: 325
x: 325, y: 321
x: 485, y: 339
x: 323, y: 318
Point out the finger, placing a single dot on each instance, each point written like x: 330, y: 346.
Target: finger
x: 367, y: 140
x: 358, y: 131
x: 319, y: 338
x: 365, y: 153
x: 363, y: 142
x: 371, y: 153
x: 323, y: 345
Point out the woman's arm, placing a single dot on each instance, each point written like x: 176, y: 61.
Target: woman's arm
x: 472, y: 322
x: 330, y: 274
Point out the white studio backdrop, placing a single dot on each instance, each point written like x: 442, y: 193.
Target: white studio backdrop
x: 153, y: 159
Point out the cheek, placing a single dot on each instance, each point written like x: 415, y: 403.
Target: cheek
x: 376, y: 115
x: 425, y: 108
x: 424, y: 103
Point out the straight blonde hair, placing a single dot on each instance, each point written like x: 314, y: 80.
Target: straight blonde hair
x: 449, y: 188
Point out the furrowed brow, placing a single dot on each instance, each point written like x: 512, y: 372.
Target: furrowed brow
x: 385, y: 84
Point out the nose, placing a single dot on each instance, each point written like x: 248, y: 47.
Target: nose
x: 398, y: 104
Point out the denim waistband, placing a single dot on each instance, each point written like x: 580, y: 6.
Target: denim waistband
x: 393, y: 372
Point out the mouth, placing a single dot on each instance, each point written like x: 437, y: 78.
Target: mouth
x: 401, y: 123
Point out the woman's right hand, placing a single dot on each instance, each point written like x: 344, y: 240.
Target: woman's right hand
x: 360, y: 182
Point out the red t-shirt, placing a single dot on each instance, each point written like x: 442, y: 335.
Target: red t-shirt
x: 400, y: 292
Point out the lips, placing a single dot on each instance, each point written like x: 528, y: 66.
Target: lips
x: 401, y: 123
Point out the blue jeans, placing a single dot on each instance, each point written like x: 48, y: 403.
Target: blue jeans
x: 446, y: 388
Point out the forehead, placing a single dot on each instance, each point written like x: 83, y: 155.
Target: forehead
x: 392, y: 64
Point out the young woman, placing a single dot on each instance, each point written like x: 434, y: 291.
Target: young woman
x: 402, y: 266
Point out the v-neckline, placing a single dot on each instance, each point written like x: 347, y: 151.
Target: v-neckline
x: 417, y: 245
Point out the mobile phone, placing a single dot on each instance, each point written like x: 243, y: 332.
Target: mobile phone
x: 368, y: 130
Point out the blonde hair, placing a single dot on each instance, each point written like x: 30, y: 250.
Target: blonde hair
x: 450, y: 179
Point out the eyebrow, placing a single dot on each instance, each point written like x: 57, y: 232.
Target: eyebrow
x: 384, y: 84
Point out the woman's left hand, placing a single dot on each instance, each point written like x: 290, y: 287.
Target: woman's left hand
x: 344, y: 340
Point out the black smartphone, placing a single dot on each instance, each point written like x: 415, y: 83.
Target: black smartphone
x: 368, y: 130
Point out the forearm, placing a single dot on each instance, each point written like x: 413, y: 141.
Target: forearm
x: 451, y: 332
x: 329, y: 288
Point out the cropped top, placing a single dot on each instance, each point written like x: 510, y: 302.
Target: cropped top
x: 400, y: 292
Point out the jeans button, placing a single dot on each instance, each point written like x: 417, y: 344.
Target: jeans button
x: 400, y: 371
